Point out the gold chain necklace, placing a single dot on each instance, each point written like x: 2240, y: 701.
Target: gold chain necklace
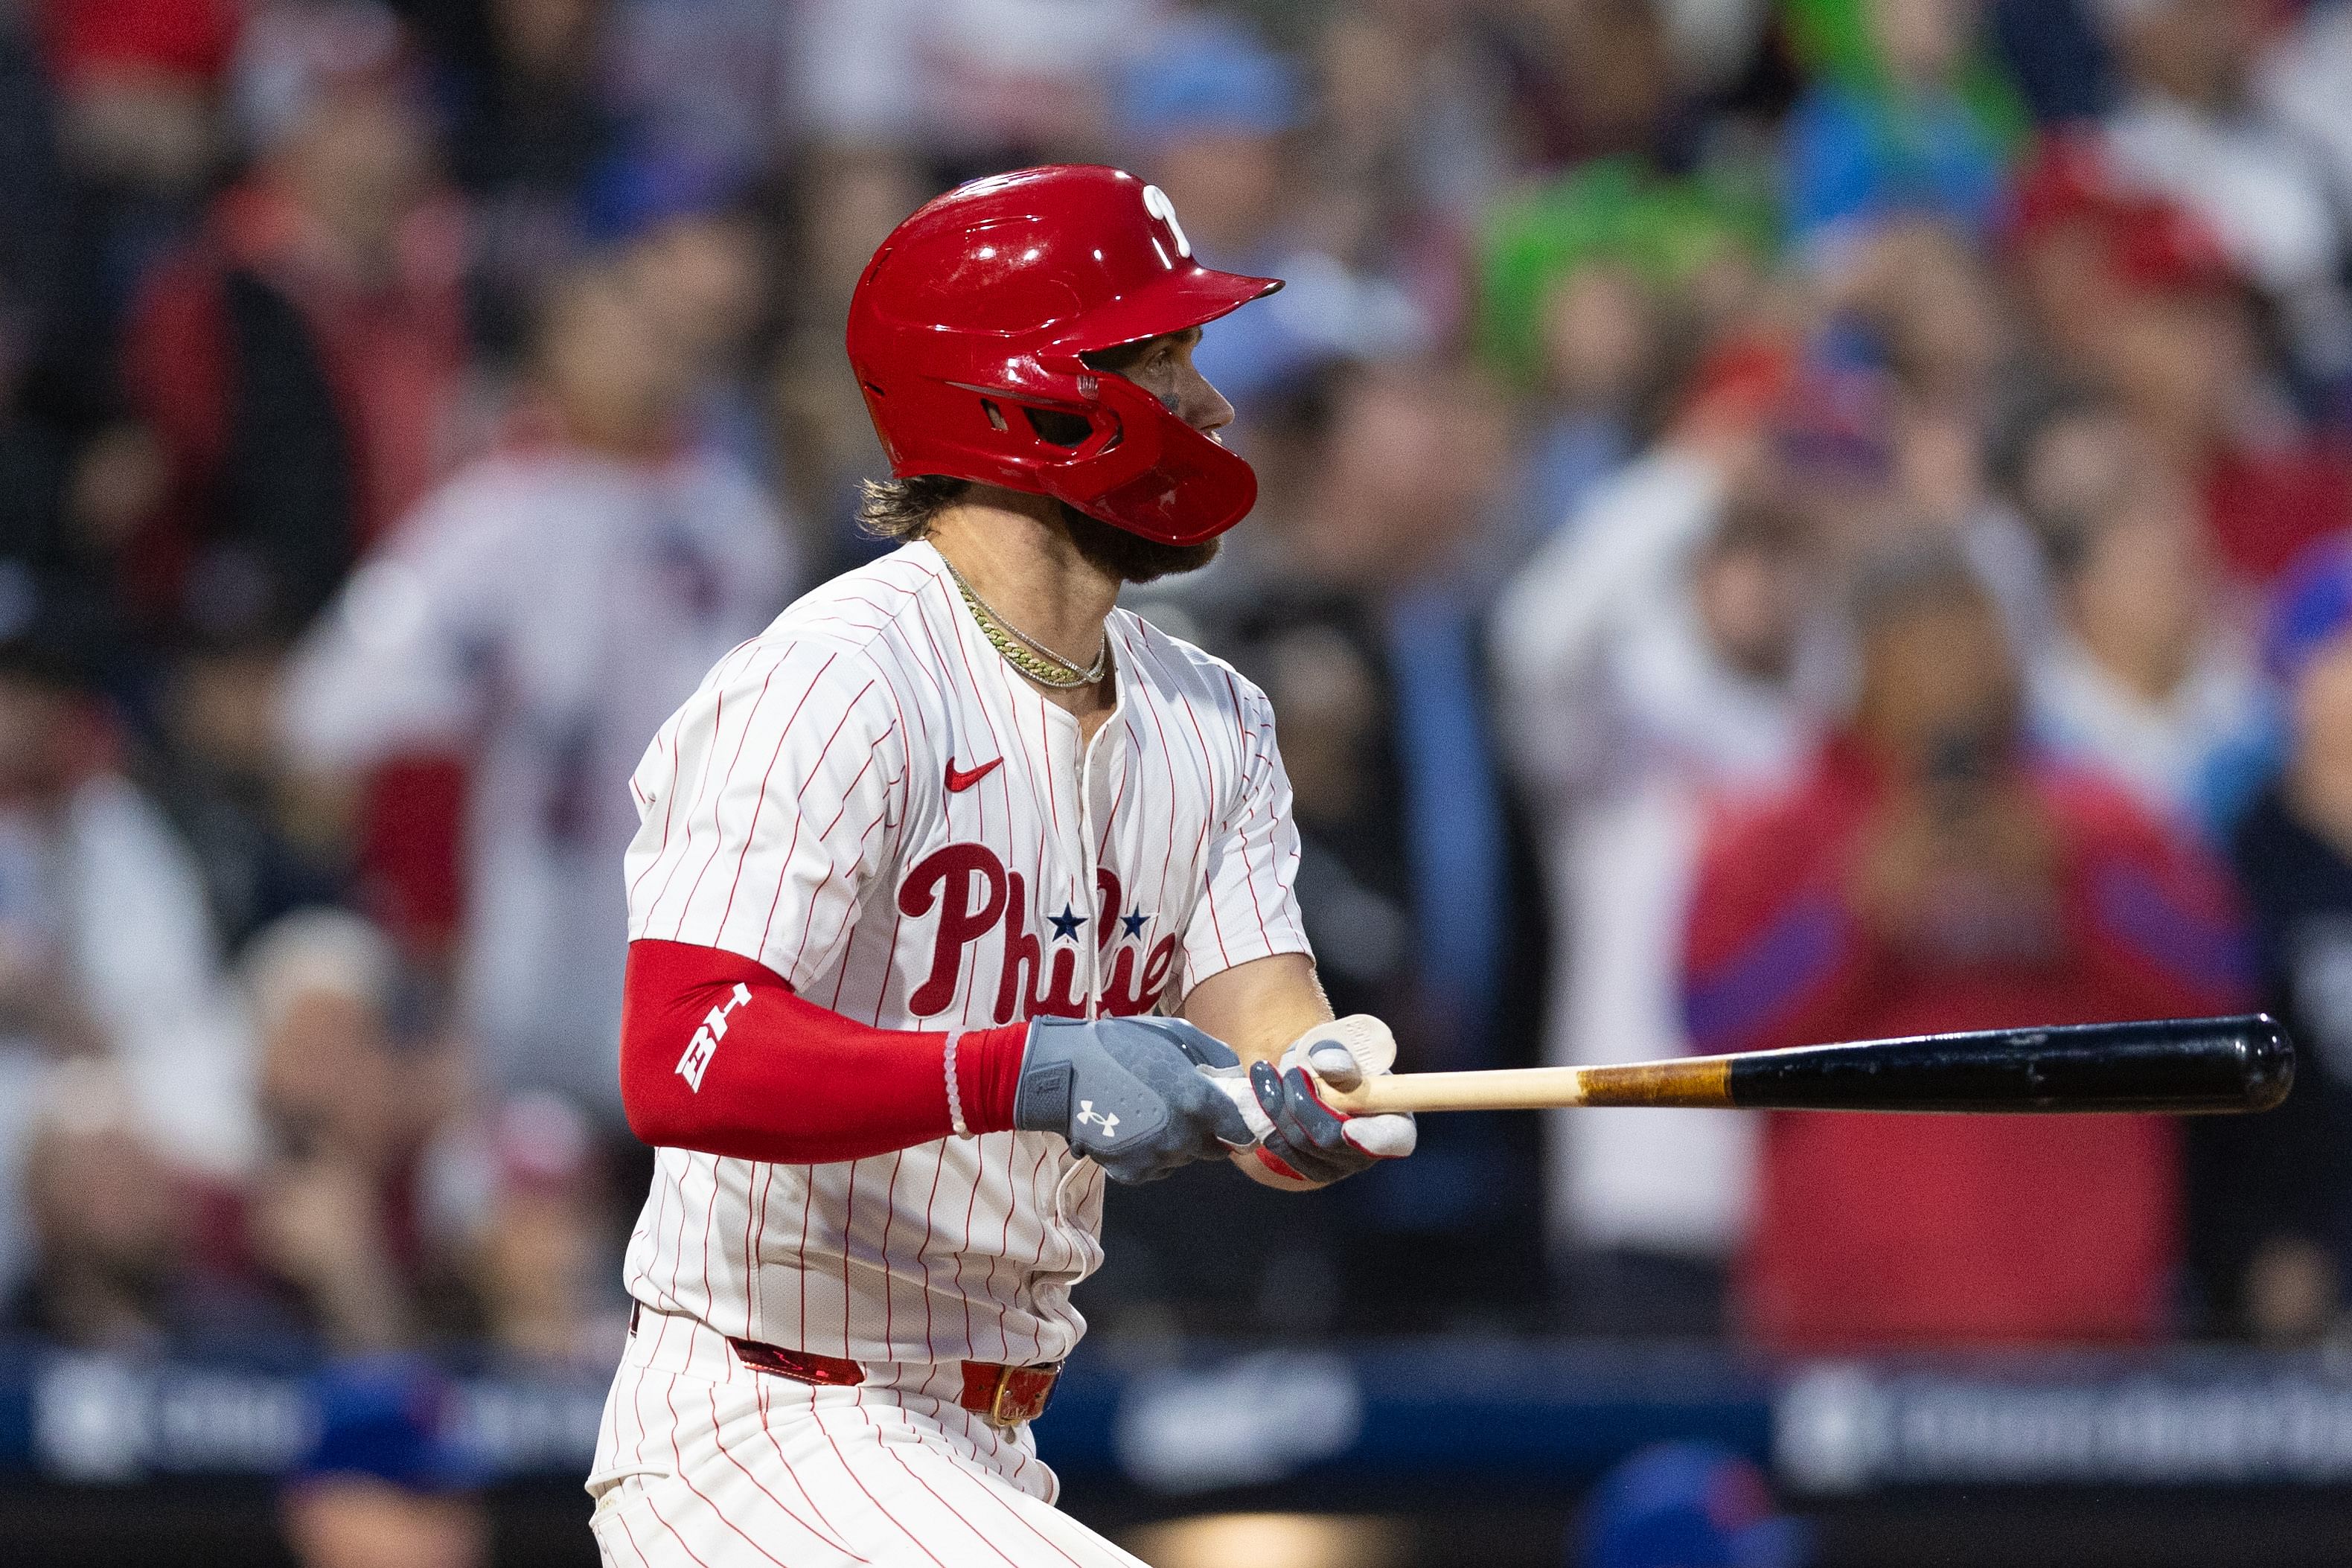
x: 1024, y: 653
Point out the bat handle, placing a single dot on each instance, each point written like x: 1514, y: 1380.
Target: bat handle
x: 1510, y: 1088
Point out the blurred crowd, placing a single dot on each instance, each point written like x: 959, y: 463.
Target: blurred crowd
x: 1781, y: 520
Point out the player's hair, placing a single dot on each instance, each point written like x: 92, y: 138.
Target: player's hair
x: 903, y: 509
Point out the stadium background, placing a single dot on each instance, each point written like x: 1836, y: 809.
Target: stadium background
x: 1781, y: 520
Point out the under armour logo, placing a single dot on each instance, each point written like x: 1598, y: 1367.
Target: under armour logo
x: 705, y: 1043
x: 1105, y: 1120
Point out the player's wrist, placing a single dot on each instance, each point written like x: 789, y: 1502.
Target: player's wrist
x: 988, y: 1075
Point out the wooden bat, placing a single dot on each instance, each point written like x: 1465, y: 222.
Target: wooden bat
x: 2173, y: 1065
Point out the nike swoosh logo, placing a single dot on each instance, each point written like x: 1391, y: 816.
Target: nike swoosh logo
x: 957, y: 782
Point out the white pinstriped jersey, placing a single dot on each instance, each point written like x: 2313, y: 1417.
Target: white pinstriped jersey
x: 869, y: 801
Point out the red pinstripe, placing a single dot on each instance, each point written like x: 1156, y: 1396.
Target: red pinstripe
x: 1053, y: 781
x: 869, y: 628
x: 1168, y: 756
x: 709, y: 1213
x: 653, y: 1509
x: 669, y: 804
x: 825, y: 1535
x: 800, y: 1269
x: 808, y: 926
x: 631, y: 1535
x: 923, y: 1258
x: 751, y: 833
x: 818, y: 1416
x: 971, y: 1204
x: 702, y: 781
x: 1009, y: 1512
x: 927, y: 1486
x: 1044, y: 1232
x: 889, y: 1281
x: 718, y: 813
x: 1246, y: 880
x: 784, y: 880
x: 759, y: 1399
x: 755, y: 1225
x: 848, y: 1242
x: 678, y: 1469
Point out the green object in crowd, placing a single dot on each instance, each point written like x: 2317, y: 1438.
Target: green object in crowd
x: 1834, y: 38
x: 1663, y: 230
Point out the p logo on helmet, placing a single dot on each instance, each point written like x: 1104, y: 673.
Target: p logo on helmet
x: 1156, y: 202
x: 975, y: 312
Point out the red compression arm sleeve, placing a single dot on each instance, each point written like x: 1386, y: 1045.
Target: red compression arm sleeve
x: 720, y: 1056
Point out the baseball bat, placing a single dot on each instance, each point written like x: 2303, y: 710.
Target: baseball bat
x: 2171, y: 1065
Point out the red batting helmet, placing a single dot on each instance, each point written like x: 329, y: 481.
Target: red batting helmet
x: 972, y: 317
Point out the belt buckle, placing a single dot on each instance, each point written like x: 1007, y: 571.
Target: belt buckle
x: 1029, y: 1409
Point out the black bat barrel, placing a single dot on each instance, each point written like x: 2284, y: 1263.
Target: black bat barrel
x: 2178, y: 1065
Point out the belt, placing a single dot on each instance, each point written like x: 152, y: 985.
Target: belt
x: 1003, y: 1397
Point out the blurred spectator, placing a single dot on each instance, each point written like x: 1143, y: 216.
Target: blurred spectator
x: 2301, y: 85
x: 137, y: 77
x: 38, y: 253
x: 2056, y: 56
x: 1367, y: 631
x: 1932, y: 874
x: 1597, y: 80
x: 301, y: 360
x: 844, y: 200
x: 73, y: 483
x: 527, y: 1195
x: 1891, y: 127
x: 1413, y: 136
x: 1685, y: 1505
x: 682, y: 238
x: 111, y: 1225
x: 264, y: 845
x: 106, y: 944
x: 1385, y: 556
x: 2136, y: 296
x: 1209, y: 113
x: 532, y: 122
x: 542, y: 613
x: 388, y: 1482
x: 2272, y: 1211
x: 138, y: 87
x: 1594, y: 292
x: 2192, y: 127
x: 1914, y: 297
x: 709, y: 78
x: 978, y: 84
x: 351, y: 1096
x: 2142, y: 682
x: 1670, y: 646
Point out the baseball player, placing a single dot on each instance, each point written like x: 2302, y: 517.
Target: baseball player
x: 957, y: 891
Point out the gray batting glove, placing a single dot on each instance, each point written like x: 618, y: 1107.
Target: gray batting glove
x: 1126, y: 1091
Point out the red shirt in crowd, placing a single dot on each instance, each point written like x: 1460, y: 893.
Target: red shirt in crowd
x: 393, y: 351
x: 1880, y: 1230
x: 2266, y: 507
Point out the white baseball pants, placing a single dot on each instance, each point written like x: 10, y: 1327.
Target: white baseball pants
x: 703, y: 1463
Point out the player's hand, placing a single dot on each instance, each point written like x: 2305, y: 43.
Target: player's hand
x: 1306, y: 1143
x: 1128, y: 1094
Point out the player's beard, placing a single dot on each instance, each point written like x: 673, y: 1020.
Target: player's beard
x: 1129, y: 557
